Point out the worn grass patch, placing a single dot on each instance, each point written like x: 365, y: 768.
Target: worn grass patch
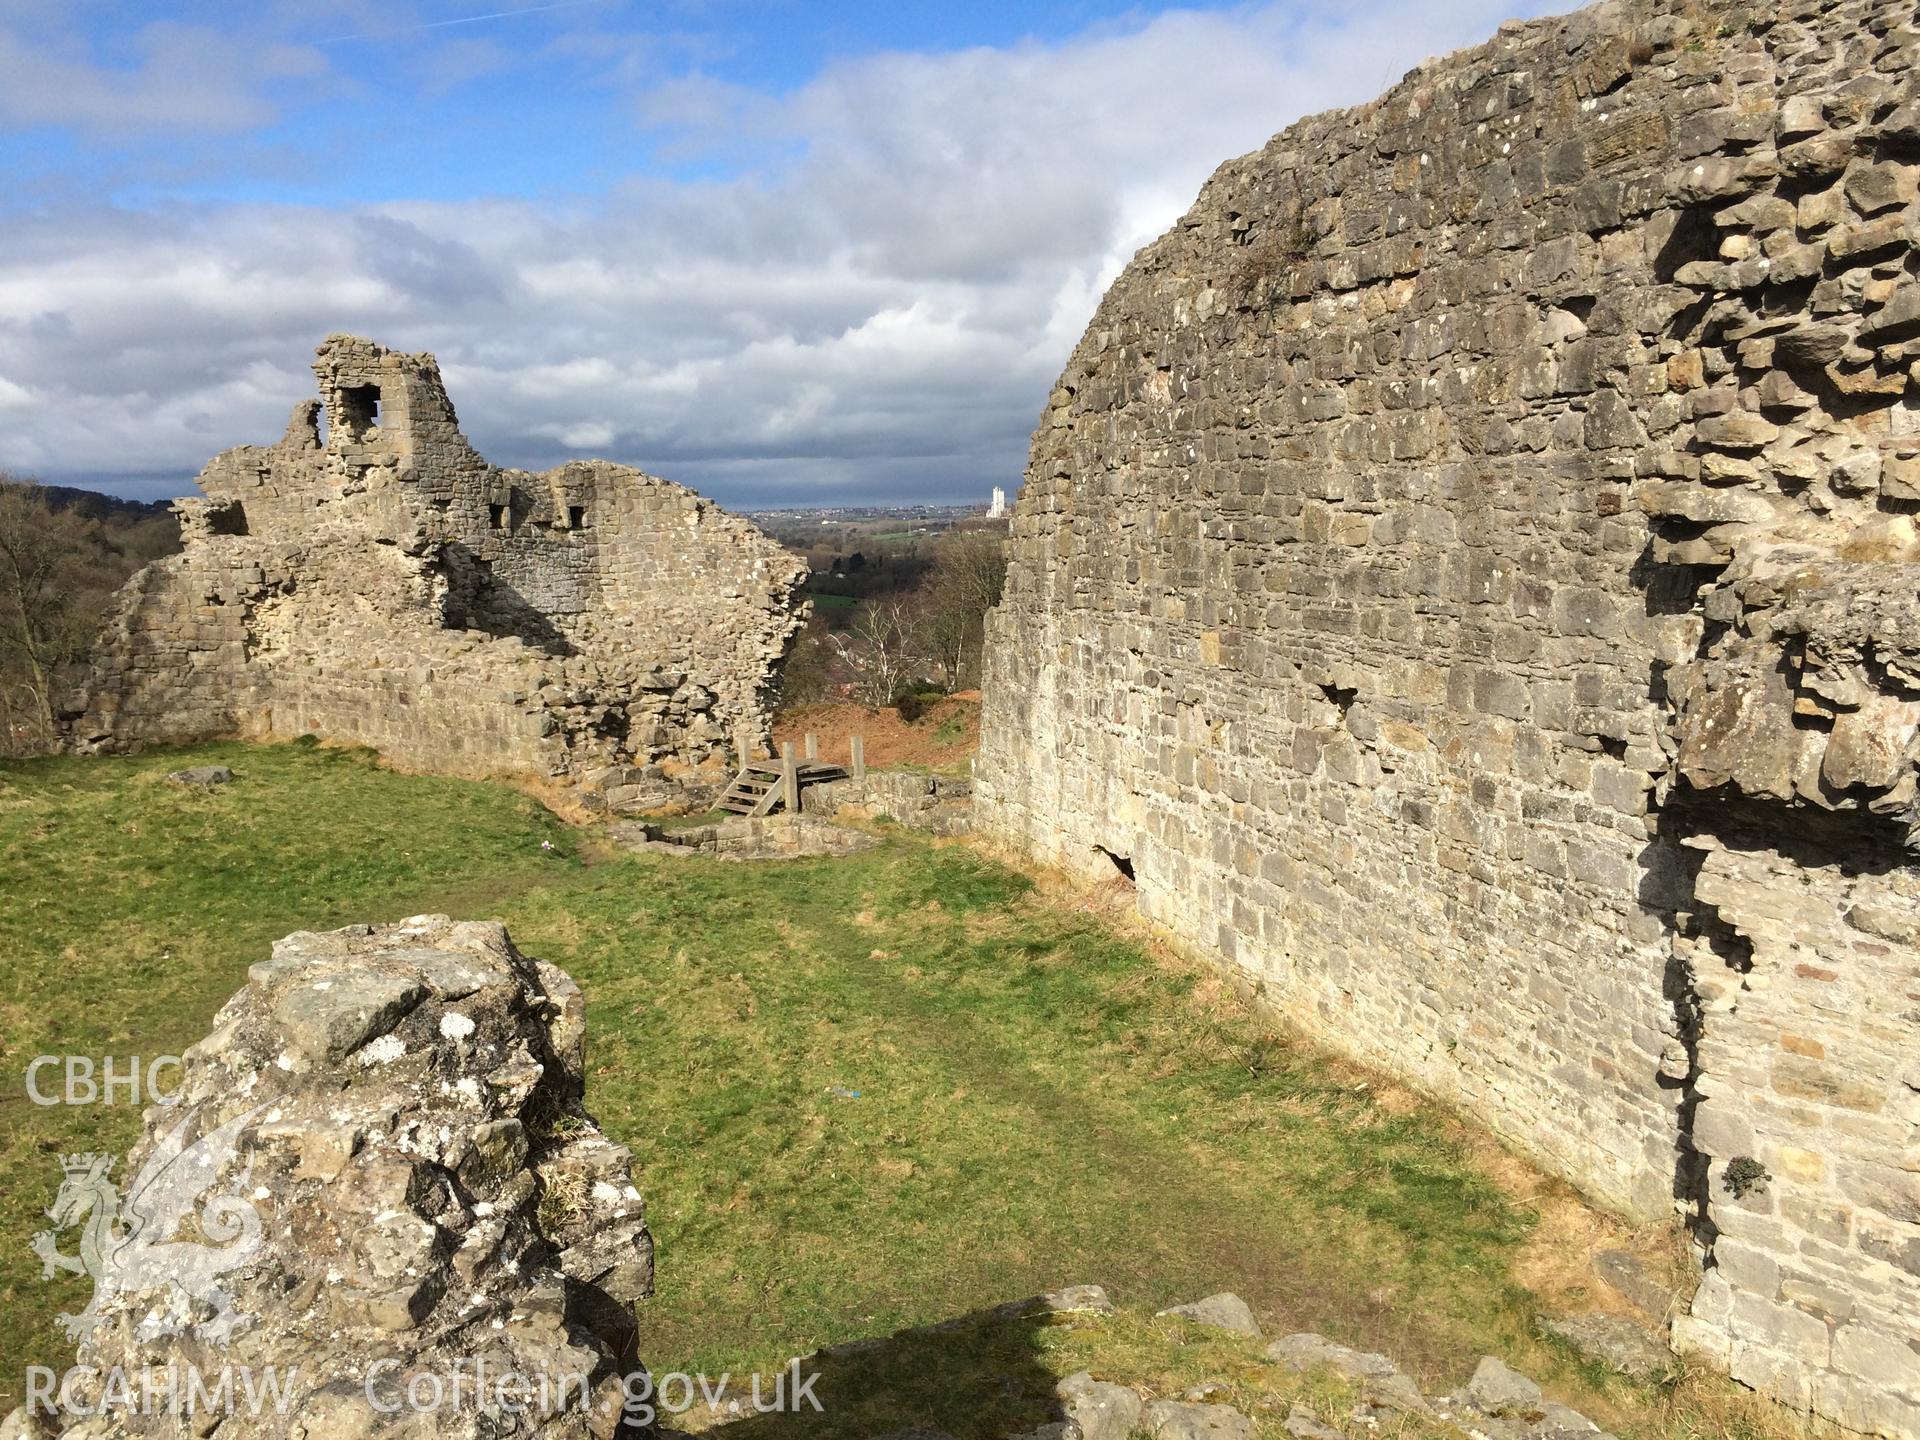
x: 863, y: 1094
x: 994, y: 1097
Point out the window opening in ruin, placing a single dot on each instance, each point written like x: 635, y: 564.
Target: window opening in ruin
x: 497, y: 516
x: 359, y: 409
x: 229, y: 518
x: 576, y: 517
x: 1122, y: 864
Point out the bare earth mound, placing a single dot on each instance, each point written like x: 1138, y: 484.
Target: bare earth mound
x: 944, y: 738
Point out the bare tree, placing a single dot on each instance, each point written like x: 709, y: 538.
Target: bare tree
x: 885, y: 648
x: 807, y: 674
x: 58, y: 570
x: 899, y: 637
x: 968, y: 574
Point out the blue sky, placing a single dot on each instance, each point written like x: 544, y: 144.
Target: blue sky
x: 444, y: 101
x: 787, y: 253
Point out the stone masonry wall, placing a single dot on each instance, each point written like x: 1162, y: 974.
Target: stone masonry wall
x: 1467, y: 574
x: 383, y: 583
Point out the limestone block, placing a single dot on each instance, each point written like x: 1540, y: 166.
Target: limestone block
x: 1182, y: 1420
x: 1872, y: 745
x: 384, y: 1265
x: 1226, y: 1311
x: 1101, y: 1410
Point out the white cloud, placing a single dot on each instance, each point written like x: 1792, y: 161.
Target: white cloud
x: 181, y: 77
x: 592, y: 436
x: 881, y: 306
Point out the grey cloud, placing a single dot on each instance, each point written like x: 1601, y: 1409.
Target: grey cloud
x: 187, y: 78
x: 430, y: 273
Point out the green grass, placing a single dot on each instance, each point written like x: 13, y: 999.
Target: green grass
x: 824, y: 601
x: 1020, y: 1109
x: 1040, y: 1101
x: 133, y: 907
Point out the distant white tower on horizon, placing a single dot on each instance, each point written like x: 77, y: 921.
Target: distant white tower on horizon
x: 998, y: 510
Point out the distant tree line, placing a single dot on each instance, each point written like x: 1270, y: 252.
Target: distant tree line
x: 63, y: 554
x: 863, y: 573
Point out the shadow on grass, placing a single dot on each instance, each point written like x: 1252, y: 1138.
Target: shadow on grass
x: 979, y: 1376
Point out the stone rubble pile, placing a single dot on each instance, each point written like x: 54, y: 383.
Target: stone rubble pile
x: 942, y: 804
x: 398, y: 1193
x: 1497, y: 1403
x: 745, y: 837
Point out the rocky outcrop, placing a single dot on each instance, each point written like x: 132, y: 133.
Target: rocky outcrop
x: 1150, y: 1378
x: 377, y: 1189
x: 1467, y: 577
x: 371, y: 578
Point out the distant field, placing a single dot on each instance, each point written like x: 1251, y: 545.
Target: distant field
x: 823, y: 601
x: 1039, y: 1100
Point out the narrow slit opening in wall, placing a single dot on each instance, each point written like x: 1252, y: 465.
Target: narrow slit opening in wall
x: 576, y: 517
x: 497, y: 516
x: 1122, y: 864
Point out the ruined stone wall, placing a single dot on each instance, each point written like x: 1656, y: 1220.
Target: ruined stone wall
x: 372, y: 578
x: 1467, y: 575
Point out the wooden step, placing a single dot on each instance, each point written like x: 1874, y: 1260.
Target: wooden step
x: 760, y: 787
